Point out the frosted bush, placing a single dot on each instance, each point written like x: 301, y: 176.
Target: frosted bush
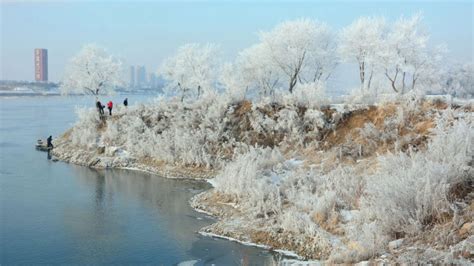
x: 409, y: 191
x: 347, y: 185
x: 314, y: 119
x: 357, y: 96
x: 365, y: 243
x: 311, y: 95
x: 370, y: 134
x: 258, y: 122
x: 112, y: 135
x: 372, y: 137
x: 288, y: 121
x: 250, y: 181
x: 87, y: 126
x: 313, y: 191
x: 293, y: 220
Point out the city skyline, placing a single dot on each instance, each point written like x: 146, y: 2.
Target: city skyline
x: 139, y: 77
x: 148, y: 32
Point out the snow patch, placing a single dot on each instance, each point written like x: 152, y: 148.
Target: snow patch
x: 247, y: 243
x: 188, y: 263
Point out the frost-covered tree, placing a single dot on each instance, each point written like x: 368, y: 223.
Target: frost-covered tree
x: 192, y: 70
x: 255, y: 67
x: 303, y: 50
x: 234, y: 83
x: 459, y: 81
x: 92, y: 71
x: 360, y: 42
x: 405, y: 58
x: 425, y: 69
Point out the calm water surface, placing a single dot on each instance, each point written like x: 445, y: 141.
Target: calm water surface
x: 52, y: 212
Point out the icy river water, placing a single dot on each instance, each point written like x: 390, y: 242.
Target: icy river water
x: 57, y: 213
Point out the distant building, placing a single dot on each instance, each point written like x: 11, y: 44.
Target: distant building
x: 152, y: 80
x: 132, y: 76
x: 41, y: 65
x: 140, y: 78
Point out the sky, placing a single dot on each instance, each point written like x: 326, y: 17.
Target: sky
x: 146, y: 32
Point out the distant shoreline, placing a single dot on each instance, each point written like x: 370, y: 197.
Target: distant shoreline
x: 47, y: 94
x: 20, y: 94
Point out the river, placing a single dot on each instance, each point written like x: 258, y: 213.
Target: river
x: 58, y: 213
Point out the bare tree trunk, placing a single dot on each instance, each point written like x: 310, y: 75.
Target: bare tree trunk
x: 403, y: 82
x: 370, y: 78
x: 293, y: 82
x: 362, y: 74
x: 393, y: 86
x: 413, y: 82
x: 318, y: 74
x: 392, y: 81
x: 296, y: 72
x: 182, y: 90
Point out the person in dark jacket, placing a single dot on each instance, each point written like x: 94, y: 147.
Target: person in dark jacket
x: 110, y: 105
x: 125, y: 102
x: 49, y: 142
x: 100, y: 107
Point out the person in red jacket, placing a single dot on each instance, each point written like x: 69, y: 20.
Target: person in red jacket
x: 109, y: 106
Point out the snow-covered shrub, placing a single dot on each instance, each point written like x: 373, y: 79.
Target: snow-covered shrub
x: 288, y: 122
x: 310, y: 95
x: 410, y: 190
x: 372, y: 137
x: 250, y: 181
x: 314, y: 119
x: 86, y: 128
x: 294, y: 220
x: 314, y: 123
x: 364, y: 242
x: 234, y: 83
x: 356, y: 96
x: 459, y: 81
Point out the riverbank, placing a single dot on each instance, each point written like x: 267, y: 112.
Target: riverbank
x: 335, y: 183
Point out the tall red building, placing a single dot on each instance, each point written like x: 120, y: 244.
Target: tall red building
x: 41, y: 64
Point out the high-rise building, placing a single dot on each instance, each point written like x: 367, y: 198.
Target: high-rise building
x: 152, y: 81
x: 132, y: 76
x: 140, y: 79
x: 41, y: 65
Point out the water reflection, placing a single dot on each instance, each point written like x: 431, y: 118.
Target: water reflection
x: 167, y: 213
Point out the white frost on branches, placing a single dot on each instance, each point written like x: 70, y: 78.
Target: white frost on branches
x: 405, y: 57
x: 92, y: 71
x: 193, y: 70
x: 303, y: 50
x: 360, y: 42
x: 459, y: 80
x: 294, y: 52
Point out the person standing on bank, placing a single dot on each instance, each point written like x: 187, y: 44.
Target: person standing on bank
x: 100, y: 108
x: 49, y: 142
x: 110, y: 105
x: 125, y: 102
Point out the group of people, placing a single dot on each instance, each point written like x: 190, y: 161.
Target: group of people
x: 110, y: 105
x: 100, y: 108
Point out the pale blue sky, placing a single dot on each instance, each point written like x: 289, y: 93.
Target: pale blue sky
x: 146, y: 32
